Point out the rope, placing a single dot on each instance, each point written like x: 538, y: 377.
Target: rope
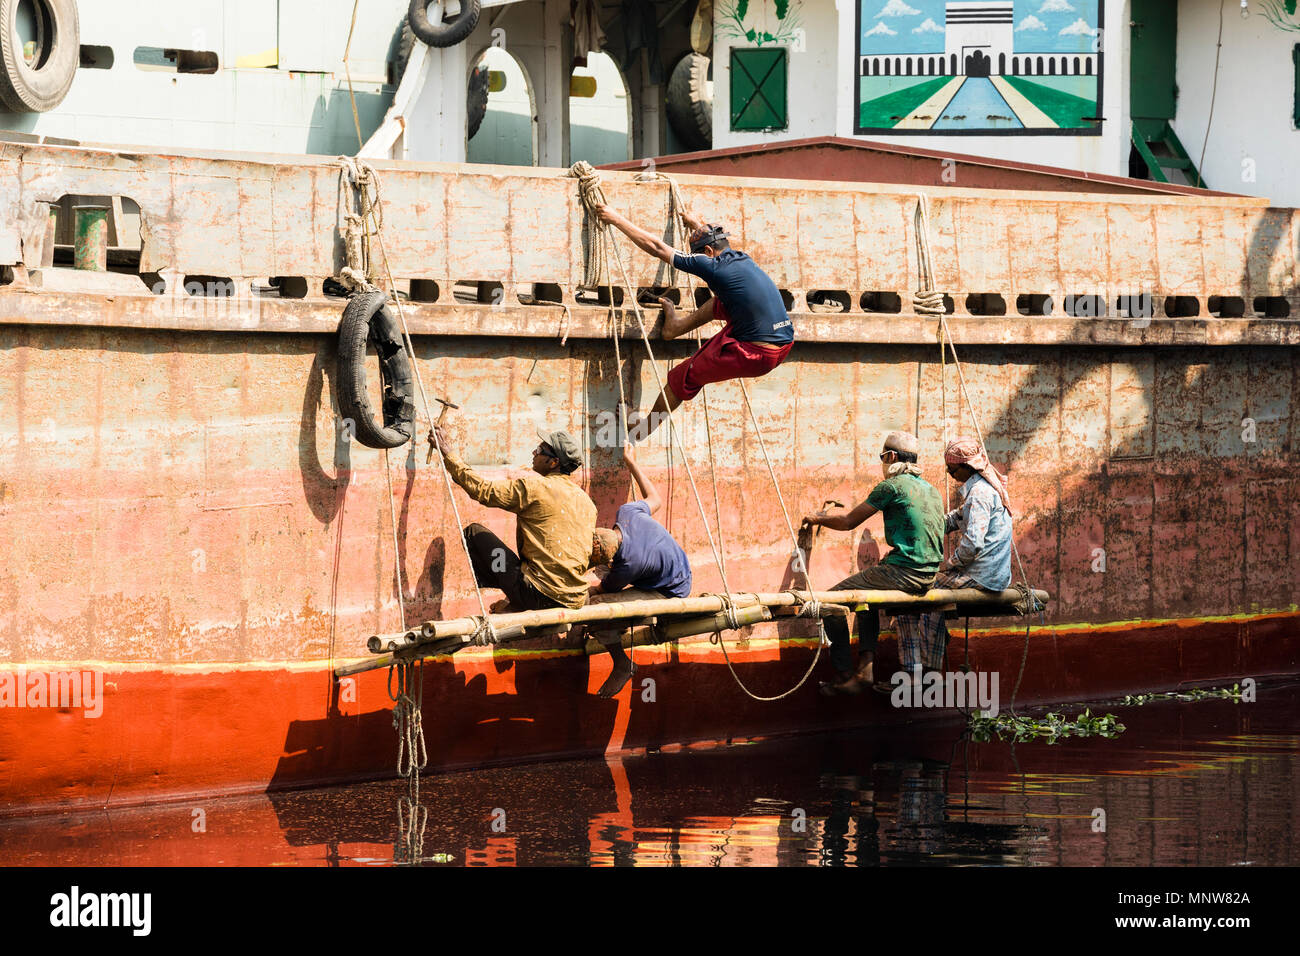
x: 358, y: 274
x: 411, y: 821
x: 729, y: 609
x: 924, y: 301
x: 595, y: 261
x: 590, y: 194
x: 365, y: 178
x: 564, y: 324
x: 408, y: 720
x: 678, y: 206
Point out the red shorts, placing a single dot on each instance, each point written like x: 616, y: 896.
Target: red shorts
x: 723, y: 358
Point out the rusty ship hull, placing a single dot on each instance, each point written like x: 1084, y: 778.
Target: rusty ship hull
x: 184, y: 515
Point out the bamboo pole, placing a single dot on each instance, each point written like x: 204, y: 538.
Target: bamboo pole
x: 708, y: 624
x: 614, y: 611
x: 440, y: 637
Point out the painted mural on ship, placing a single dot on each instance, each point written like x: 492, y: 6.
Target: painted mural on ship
x: 1011, y: 67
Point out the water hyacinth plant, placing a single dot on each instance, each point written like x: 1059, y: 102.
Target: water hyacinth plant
x: 1050, y: 727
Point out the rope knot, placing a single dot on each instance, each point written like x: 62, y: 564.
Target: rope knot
x: 484, y: 633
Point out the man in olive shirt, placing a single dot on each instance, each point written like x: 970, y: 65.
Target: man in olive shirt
x: 553, y: 533
x: 914, y: 528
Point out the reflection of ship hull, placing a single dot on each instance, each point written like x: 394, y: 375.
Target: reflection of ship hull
x: 180, y: 511
x: 919, y: 795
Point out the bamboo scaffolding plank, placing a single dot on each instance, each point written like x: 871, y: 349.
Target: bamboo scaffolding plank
x: 440, y: 637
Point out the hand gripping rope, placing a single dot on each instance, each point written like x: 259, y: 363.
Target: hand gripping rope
x: 598, y: 243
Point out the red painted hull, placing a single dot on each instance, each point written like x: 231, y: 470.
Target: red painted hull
x: 170, y: 733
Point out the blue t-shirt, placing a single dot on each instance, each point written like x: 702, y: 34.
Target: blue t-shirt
x: 751, y: 298
x: 648, y: 558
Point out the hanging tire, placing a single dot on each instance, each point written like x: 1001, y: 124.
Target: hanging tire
x: 42, y: 84
x: 476, y: 105
x: 689, y: 102
x: 366, y: 320
x: 448, y: 32
x: 477, y: 96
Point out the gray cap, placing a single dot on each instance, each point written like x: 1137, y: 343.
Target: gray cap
x: 902, y: 441
x: 565, y: 448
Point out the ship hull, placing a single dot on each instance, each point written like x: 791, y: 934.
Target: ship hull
x: 187, y: 519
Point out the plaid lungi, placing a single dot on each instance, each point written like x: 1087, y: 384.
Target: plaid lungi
x: 923, y: 638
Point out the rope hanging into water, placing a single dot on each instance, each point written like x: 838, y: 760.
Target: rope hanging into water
x: 365, y: 178
x: 590, y: 195
x: 359, y: 274
x: 927, y: 301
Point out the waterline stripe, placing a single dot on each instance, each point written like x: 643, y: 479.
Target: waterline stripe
x: 486, y: 655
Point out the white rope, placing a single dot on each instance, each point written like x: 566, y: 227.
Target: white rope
x: 589, y: 192
x: 926, y: 296
x: 369, y: 178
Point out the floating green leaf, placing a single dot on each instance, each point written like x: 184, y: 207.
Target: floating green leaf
x: 1050, y: 727
x: 1198, y: 693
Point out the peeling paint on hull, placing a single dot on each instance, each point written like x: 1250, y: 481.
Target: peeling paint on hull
x: 176, y: 497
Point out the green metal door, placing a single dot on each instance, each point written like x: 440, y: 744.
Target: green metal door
x: 1152, y: 55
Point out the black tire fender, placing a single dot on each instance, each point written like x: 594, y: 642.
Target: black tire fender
x: 477, y: 101
x: 367, y: 320
x: 448, y: 32
x: 689, y: 103
x: 42, y: 85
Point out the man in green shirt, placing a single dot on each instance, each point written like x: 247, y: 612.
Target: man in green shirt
x: 553, y: 531
x: 914, y: 528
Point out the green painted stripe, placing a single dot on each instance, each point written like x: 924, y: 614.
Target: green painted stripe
x: 1065, y: 109
x: 885, y: 111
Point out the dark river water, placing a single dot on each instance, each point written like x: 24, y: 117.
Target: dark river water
x: 1188, y: 783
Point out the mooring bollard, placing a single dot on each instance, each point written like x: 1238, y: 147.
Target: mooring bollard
x: 90, y: 249
x: 51, y: 233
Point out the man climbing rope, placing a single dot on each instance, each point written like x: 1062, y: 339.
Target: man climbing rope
x: 642, y: 555
x: 757, y: 333
x: 913, y: 514
x: 553, y: 533
x: 982, y: 558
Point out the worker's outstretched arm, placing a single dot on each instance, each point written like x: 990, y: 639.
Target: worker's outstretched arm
x: 648, y: 491
x: 507, y: 495
x: 645, y: 241
x: 844, y: 520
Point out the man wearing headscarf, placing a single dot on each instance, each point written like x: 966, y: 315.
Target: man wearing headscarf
x: 913, y: 514
x: 982, y: 558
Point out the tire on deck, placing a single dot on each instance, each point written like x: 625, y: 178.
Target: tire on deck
x: 448, y: 32
x: 41, y: 85
x: 689, y: 103
x: 367, y: 320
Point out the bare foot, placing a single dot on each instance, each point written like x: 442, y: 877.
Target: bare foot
x: 618, y: 677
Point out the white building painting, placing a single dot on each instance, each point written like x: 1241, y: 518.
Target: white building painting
x: 979, y: 40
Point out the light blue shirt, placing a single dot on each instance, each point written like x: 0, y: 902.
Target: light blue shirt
x: 984, y: 551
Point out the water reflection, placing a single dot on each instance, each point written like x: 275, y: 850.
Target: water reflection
x: 1205, y: 783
